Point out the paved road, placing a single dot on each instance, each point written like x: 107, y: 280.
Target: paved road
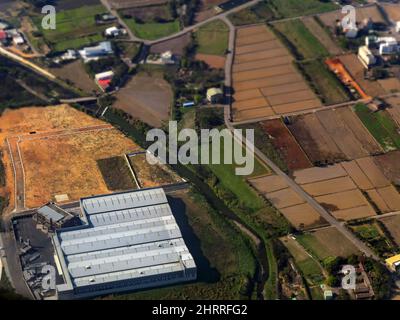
x: 292, y: 184
x: 222, y: 15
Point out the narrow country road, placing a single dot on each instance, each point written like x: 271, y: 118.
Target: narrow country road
x: 291, y: 183
x: 134, y: 38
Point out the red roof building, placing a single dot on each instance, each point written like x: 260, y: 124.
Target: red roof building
x: 3, y: 35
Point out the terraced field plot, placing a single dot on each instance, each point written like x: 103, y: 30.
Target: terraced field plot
x: 333, y: 135
x: 265, y: 81
x: 299, y: 213
x: 350, y: 190
x: 392, y: 224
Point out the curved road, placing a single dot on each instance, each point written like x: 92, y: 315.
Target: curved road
x: 294, y: 186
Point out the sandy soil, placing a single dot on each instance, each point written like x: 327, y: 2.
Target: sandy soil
x: 57, y: 164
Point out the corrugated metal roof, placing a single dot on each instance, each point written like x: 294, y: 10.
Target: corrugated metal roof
x: 130, y: 235
x: 50, y: 213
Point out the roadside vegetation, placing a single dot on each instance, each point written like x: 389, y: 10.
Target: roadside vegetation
x: 153, y: 30
x: 380, y: 125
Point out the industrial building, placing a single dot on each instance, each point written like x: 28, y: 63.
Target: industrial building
x: 94, y: 53
x: 128, y: 241
x: 52, y: 217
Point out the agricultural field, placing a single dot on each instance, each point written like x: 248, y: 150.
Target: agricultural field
x: 258, y: 13
x: 310, y: 268
x: 322, y: 35
x: 120, y: 4
x: 392, y: 225
x: 206, y: 9
x: 373, y: 234
x: 300, y: 214
x: 362, y: 13
x: 303, y: 43
x: 137, y: 98
x: 392, y: 10
x: 394, y: 108
x: 75, y: 28
x: 390, y: 165
x: 264, y: 79
x: 149, y: 176
x: 381, y: 126
x: 327, y: 86
x: 212, y: 38
x: 356, y: 70
x: 75, y: 74
x: 295, y: 8
x: 333, y: 135
x: 350, y: 190
x: 176, y: 45
x: 152, y: 30
x: 116, y: 173
x: 286, y: 145
x: 327, y: 242
x: 76, y: 139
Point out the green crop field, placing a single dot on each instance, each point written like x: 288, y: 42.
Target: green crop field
x: 295, y: 8
x: 213, y: 38
x: 306, y: 45
x: 325, y: 83
x: 256, y: 14
x: 153, y: 30
x: 381, y: 126
x: 75, y: 28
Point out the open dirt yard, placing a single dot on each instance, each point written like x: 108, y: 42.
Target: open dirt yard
x: 356, y: 70
x: 264, y: 80
x: 362, y: 13
x: 59, y: 147
x: 329, y: 242
x: 137, y: 98
x: 75, y: 73
x: 333, y: 135
x: 282, y: 139
x: 393, y: 225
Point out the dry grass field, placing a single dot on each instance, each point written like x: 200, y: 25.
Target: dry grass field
x: 59, y: 149
x: 265, y: 81
x: 392, y: 224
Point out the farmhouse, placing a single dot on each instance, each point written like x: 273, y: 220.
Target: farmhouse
x: 366, y: 57
x: 94, y: 53
x: 104, y: 79
x: 114, y: 32
x: 214, y: 95
x: 129, y: 241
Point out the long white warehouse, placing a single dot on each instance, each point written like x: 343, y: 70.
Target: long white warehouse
x: 129, y: 241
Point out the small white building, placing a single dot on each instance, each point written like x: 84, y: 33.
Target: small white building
x: 351, y: 33
x: 114, y: 32
x: 18, y: 40
x: 388, y: 45
x: 366, y: 57
x: 94, y: 53
x: 167, y: 57
x: 398, y: 26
